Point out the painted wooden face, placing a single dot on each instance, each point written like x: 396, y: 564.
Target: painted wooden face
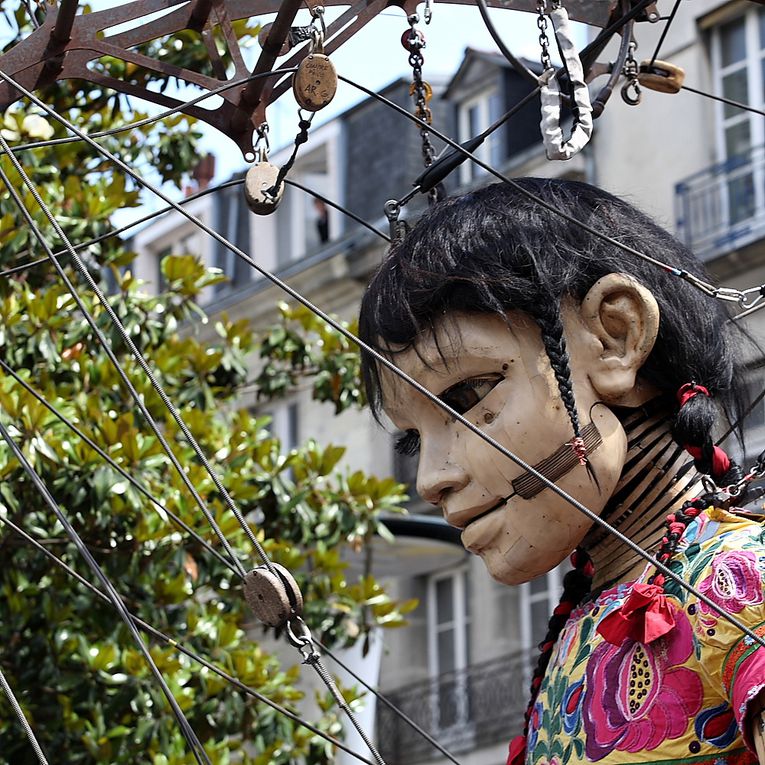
x: 497, y: 375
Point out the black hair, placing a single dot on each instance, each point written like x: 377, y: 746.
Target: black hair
x: 495, y: 249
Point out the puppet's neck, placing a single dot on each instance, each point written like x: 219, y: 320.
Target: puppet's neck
x: 658, y: 476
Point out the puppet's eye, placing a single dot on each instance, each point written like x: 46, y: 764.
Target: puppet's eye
x: 408, y: 444
x: 463, y: 396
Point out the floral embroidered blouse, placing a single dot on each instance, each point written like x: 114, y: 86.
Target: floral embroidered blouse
x: 680, y: 699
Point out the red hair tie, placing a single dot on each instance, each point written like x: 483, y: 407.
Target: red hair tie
x: 686, y: 392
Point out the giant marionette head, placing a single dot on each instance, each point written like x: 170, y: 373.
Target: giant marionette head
x: 543, y: 335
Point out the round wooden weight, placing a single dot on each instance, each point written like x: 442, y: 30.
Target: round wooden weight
x: 661, y: 76
x: 315, y: 82
x: 273, y: 598
x: 260, y: 178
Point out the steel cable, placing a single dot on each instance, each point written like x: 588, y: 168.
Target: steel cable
x: 102, y: 338
x: 188, y: 732
x: 23, y: 720
x: 124, y: 473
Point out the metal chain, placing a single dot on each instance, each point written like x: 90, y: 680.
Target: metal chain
x: 544, y: 40
x: 414, y: 41
x: 631, y: 93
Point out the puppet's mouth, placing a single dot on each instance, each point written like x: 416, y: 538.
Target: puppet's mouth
x: 497, y: 506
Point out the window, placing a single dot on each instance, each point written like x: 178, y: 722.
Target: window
x: 474, y: 116
x: 448, y: 648
x: 233, y: 218
x: 285, y: 425
x: 738, y: 60
x: 538, y: 599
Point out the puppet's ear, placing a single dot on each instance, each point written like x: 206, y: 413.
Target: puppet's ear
x: 623, y: 316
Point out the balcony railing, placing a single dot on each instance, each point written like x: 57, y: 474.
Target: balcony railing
x: 722, y: 208
x: 463, y: 711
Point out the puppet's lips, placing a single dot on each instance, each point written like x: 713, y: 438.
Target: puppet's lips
x: 481, y: 514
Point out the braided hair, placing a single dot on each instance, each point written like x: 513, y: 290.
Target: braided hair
x: 548, y: 319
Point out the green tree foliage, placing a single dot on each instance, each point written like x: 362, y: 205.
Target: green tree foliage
x: 81, y: 680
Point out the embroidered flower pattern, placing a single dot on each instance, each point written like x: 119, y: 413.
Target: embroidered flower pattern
x: 733, y: 584
x: 653, y: 696
x: 682, y: 697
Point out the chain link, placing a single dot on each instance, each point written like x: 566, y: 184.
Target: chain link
x: 544, y: 40
x: 421, y: 92
x: 631, y: 93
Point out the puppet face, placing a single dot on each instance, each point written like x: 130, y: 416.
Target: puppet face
x: 498, y: 376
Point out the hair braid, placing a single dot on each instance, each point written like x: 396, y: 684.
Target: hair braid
x: 576, y: 584
x: 676, y: 525
x: 549, y: 321
x: 692, y: 429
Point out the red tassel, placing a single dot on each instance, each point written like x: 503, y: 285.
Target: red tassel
x: 645, y: 616
x: 517, y: 751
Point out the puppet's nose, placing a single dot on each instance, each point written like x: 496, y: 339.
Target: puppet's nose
x: 437, y: 478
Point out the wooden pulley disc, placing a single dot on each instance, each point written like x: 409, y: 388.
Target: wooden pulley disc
x: 315, y: 82
x: 273, y: 598
x: 661, y: 76
x: 260, y: 178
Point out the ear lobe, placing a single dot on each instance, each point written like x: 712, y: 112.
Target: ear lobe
x: 624, y: 318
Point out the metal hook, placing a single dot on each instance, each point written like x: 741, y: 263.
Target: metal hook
x: 629, y: 98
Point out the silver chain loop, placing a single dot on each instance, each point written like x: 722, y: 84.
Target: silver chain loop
x: 544, y: 40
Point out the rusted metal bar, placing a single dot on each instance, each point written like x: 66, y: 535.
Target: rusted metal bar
x: 62, y: 32
x: 199, y: 14
x: 250, y: 95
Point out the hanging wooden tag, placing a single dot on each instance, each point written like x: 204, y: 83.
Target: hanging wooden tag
x: 315, y: 82
x: 259, y: 179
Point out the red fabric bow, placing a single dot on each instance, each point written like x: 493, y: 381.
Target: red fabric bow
x: 517, y: 751
x: 644, y: 616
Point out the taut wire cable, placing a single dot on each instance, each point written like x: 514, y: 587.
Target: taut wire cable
x: 188, y: 732
x: 190, y: 198
x: 102, y: 338
x: 381, y: 359
x: 723, y: 100
x: 664, y: 32
x: 725, y: 294
x: 398, y: 712
x: 23, y: 720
